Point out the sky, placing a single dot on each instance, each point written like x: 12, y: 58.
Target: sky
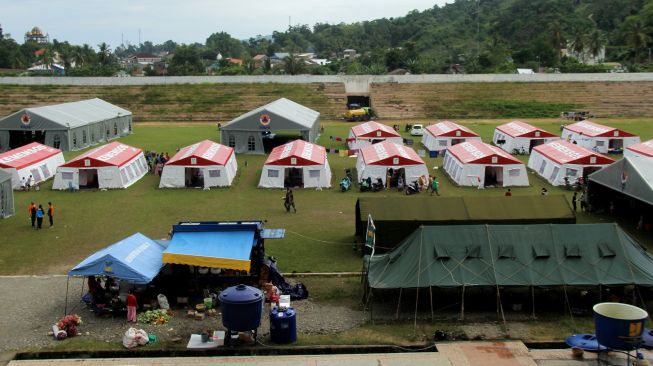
x: 185, y: 21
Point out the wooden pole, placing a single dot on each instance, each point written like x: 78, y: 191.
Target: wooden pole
x: 398, y: 305
x: 431, y: 298
x: 533, y: 300
x: 65, y: 306
x: 462, y: 305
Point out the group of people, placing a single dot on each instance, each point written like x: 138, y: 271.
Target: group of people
x: 101, y: 297
x: 37, y: 213
x: 26, y: 184
x: 156, y: 161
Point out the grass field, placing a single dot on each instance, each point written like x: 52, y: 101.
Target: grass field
x: 319, y: 237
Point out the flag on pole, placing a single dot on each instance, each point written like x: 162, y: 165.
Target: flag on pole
x: 370, y: 236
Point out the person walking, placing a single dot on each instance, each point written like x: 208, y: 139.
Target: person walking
x: 289, y: 200
x: 132, y: 303
x: 51, y: 214
x: 32, y: 214
x: 435, y: 185
x: 508, y: 193
x: 39, y: 217
x: 574, y: 200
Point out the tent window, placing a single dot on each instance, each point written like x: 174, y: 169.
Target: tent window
x: 232, y: 141
x: 473, y: 251
x: 314, y: 173
x: 572, y: 251
x: 115, y: 128
x: 506, y: 251
x: 45, y: 171
x: 67, y: 175
x: 251, y: 144
x: 442, y: 142
x: 213, y: 173
x: 542, y: 167
x: 123, y: 176
x: 129, y: 125
x: 84, y: 137
x: 600, y: 143
x: 441, y: 252
x: 56, y: 141
x: 74, y: 139
x: 513, y: 172
x: 571, y: 172
x: 273, y: 173
x: 108, y: 131
x: 605, y: 251
x: 540, y: 251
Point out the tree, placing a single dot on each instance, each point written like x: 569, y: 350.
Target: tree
x: 186, y: 61
x: 596, y: 42
x: 637, y: 36
x: 104, y: 54
x: 577, y: 42
x: 293, y: 65
x: 224, y: 44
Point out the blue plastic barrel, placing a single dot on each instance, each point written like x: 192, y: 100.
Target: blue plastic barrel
x: 619, y: 326
x: 434, y: 153
x: 283, y: 326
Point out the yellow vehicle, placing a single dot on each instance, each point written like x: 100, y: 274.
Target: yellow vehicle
x: 359, y: 114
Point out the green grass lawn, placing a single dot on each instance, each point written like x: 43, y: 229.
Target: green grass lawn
x: 319, y: 237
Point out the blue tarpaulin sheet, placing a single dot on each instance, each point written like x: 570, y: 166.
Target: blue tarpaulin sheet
x: 222, y: 249
x: 136, y: 259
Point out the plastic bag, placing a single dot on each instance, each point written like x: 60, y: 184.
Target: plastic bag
x: 129, y: 339
x: 163, y: 302
x: 141, y: 337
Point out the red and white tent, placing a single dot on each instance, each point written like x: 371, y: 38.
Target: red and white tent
x: 598, y: 137
x: 296, y: 164
x: 113, y: 165
x: 375, y: 161
x: 39, y: 161
x: 642, y: 149
x: 478, y: 164
x: 442, y: 135
x: 559, y: 159
x: 518, y: 136
x: 369, y: 133
x: 204, y: 164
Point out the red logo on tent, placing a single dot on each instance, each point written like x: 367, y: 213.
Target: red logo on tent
x: 25, y: 119
x: 265, y: 119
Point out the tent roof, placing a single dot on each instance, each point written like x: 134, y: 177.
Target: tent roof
x: 385, y: 153
x: 644, y: 148
x: 564, y: 152
x: 76, y: 114
x: 478, y: 152
x: 304, y: 153
x: 26, y: 155
x: 204, y: 152
x: 284, y: 108
x: 217, y: 249
x: 112, y: 154
x: 591, y: 129
x: 523, y: 129
x: 136, y: 259
x: 449, y: 129
x: 374, y: 129
x: 513, y: 255
x: 639, y: 182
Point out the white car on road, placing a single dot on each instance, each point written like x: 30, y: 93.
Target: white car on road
x: 417, y: 130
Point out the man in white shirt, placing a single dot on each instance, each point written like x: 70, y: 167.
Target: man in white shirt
x: 23, y: 184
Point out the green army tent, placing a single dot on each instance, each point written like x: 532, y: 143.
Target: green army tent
x: 513, y: 255
x: 396, y: 217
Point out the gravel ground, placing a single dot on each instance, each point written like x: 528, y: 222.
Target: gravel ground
x: 31, y: 304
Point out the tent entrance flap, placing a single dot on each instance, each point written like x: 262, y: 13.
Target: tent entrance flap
x: 194, y: 177
x: 293, y: 178
x: 21, y: 138
x: 589, y: 170
x: 493, y: 176
x: 535, y: 142
x: 88, y: 179
x: 616, y: 144
x: 457, y: 141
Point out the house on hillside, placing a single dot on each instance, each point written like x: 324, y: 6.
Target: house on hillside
x: 349, y: 53
x: 259, y: 60
x: 143, y: 59
x: 585, y: 57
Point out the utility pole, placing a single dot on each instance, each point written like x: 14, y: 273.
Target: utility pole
x: 289, y: 26
x: 139, y: 37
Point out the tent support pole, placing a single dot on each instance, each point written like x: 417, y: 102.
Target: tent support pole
x: 462, y: 305
x: 398, y: 305
x: 65, y: 306
x: 431, y: 298
x: 416, y: 303
x: 533, y: 301
x: 371, y: 302
x: 498, y: 303
x: 600, y: 294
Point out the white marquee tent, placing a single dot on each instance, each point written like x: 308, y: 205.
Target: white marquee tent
x: 296, y: 164
x: 517, y: 136
x: 369, y: 133
x: 442, y: 135
x: 204, y: 164
x: 114, y: 165
x: 375, y: 161
x: 39, y: 161
x: 642, y: 149
x: 477, y: 164
x: 599, y: 138
x: 559, y: 159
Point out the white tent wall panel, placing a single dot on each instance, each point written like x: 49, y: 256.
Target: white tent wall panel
x: 66, y: 178
x: 109, y: 177
x: 598, y: 144
x: 365, y: 142
x: 272, y: 176
x: 173, y: 176
x: 412, y: 172
x: 519, y: 143
x: 552, y: 171
x: 41, y: 171
x: 473, y: 175
x: 440, y: 143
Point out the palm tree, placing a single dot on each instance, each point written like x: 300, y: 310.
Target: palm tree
x: 78, y: 57
x: 104, y: 53
x: 293, y: 65
x: 596, y: 42
x: 637, y: 36
x: 578, y: 43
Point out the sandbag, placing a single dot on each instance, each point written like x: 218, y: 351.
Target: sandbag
x: 163, y: 302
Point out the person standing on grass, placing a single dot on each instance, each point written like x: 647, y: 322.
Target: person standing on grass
x: 51, y: 214
x: 32, y: 214
x: 132, y: 303
x: 508, y: 193
x: 289, y: 201
x: 39, y: 217
x: 435, y: 185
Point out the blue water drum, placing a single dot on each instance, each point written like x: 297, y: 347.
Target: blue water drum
x: 283, y: 325
x: 619, y: 326
x: 241, y: 307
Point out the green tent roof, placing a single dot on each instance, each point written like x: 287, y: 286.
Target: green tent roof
x: 513, y: 255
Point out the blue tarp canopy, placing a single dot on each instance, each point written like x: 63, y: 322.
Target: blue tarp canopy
x: 136, y: 259
x: 218, y: 249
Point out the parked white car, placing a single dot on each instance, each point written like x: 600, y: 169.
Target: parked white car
x: 417, y: 130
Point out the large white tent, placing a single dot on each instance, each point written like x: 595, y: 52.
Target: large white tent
x: 518, y: 136
x: 442, y: 135
x: 113, y: 165
x: 375, y: 161
x: 477, y: 164
x: 642, y: 149
x: 296, y: 164
x: 560, y: 159
x: 204, y: 164
x: 6, y: 195
x: 33, y: 159
x: 369, y: 133
x: 600, y: 138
